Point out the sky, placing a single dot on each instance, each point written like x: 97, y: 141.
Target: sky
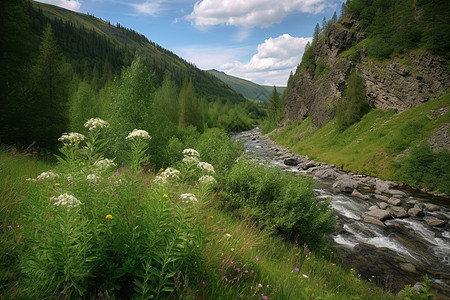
x: 258, y: 40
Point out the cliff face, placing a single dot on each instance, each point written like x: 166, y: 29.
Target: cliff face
x: 400, y: 83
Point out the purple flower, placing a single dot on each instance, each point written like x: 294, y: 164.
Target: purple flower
x: 60, y: 189
x: 264, y: 297
x: 238, y: 269
x: 256, y: 258
x: 296, y: 269
x: 204, y: 283
x: 309, y: 253
x: 324, y: 285
x: 224, y: 277
x: 251, y: 271
x: 10, y: 227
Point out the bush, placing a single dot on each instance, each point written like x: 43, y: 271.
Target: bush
x: 426, y: 168
x: 283, y: 203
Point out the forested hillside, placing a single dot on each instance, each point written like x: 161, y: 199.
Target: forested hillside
x: 61, y: 67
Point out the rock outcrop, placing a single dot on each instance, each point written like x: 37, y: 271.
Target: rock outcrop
x: 403, y: 82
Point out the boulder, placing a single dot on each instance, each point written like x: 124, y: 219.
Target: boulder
x: 410, y: 268
x: 358, y: 194
x: 413, y: 201
x: 381, y: 186
x: 308, y: 164
x: 374, y: 221
x: 397, y: 193
x: 383, y: 205
x: 398, y: 212
x: 381, y: 197
x: 394, y: 201
x: 415, y: 212
x: 292, y: 161
x: 373, y: 207
x: 327, y: 173
x: 432, y: 221
x: 345, y: 184
x: 432, y: 207
x: 379, y: 214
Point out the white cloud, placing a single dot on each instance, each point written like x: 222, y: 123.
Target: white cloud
x: 251, y: 13
x: 68, y: 4
x: 273, y: 62
x: 147, y: 8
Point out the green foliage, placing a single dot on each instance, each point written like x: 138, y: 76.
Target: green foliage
x: 353, y: 105
x: 408, y: 293
x: 404, y: 137
x: 308, y: 61
x: 280, y: 202
x: 423, y: 167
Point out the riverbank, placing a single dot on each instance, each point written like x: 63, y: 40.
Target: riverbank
x: 390, y: 234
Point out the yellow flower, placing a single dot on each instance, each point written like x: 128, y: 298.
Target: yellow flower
x: 211, y: 217
x: 108, y: 217
x: 161, y: 169
x: 165, y: 196
x: 56, y: 184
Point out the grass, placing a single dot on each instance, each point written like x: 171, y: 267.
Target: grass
x: 239, y: 260
x: 371, y: 146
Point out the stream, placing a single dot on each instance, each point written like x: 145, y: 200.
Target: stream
x: 392, y: 253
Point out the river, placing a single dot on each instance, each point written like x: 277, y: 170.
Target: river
x: 397, y: 253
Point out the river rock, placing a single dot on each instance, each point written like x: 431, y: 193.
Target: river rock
x: 408, y: 267
x: 327, y: 173
x: 397, y: 193
x: 345, y: 183
x: 291, y: 161
x: 382, y: 198
x: 381, y: 186
x: 415, y: 212
x: 358, y: 194
x: 432, y: 221
x: 394, y: 201
x: 432, y: 207
x: 383, y: 205
x: 398, y: 212
x: 374, y: 221
x: 373, y: 207
x: 379, y: 214
x: 413, y: 201
x: 308, y: 164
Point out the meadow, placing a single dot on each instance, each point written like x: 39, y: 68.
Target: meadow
x: 89, y: 227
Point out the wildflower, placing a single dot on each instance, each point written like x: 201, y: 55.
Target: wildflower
x: 238, y: 269
x: 47, y: 175
x: 10, y: 227
x: 256, y: 258
x: 190, y: 152
x: 109, y: 217
x: 165, y: 196
x: 251, y: 271
x: 259, y: 285
x: 207, y: 179
x: 305, y: 276
x: 138, y: 133
x: 228, y: 235
x: 186, y: 198
x: 161, y: 169
x: 72, y: 137
x: 105, y: 163
x: 296, y: 269
x: 168, y: 175
x: 94, y: 123
x: 93, y: 178
x: 67, y: 200
x: 232, y: 249
x: 35, y: 152
x: 206, y: 166
x: 324, y: 285
x: 211, y: 217
x: 204, y: 283
x: 264, y: 297
x: 190, y: 160
x: 56, y: 184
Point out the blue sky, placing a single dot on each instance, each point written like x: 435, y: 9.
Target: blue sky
x: 259, y: 40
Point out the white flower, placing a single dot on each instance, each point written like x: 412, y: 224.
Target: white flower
x: 66, y: 200
x: 105, y: 163
x: 206, y: 166
x: 168, y: 175
x: 138, y: 133
x: 207, y: 179
x: 186, y: 198
x: 93, y: 178
x: 47, y: 175
x: 227, y: 235
x: 96, y: 123
x: 190, y: 152
x: 305, y: 276
x: 190, y: 160
x: 72, y: 137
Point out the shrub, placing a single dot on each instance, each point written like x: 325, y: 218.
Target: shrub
x: 283, y: 203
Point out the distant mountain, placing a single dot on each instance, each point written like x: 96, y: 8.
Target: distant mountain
x: 247, y: 88
x: 87, y: 40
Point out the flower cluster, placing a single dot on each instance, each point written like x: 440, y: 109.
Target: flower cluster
x: 66, y: 200
x: 168, y: 175
x: 94, y: 123
x: 138, y: 133
x: 105, y: 163
x: 47, y: 175
x: 207, y: 179
x: 190, y: 160
x: 72, y: 137
x: 206, y: 166
x: 191, y: 153
x: 187, y: 198
x: 93, y: 178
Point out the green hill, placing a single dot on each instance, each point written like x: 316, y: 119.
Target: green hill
x: 247, y: 88
x: 86, y: 39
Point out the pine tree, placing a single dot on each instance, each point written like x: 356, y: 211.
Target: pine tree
x: 274, y: 106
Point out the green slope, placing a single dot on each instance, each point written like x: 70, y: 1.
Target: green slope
x: 117, y: 37
x: 247, y: 88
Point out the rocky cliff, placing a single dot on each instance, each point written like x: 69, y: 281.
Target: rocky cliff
x: 400, y: 83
